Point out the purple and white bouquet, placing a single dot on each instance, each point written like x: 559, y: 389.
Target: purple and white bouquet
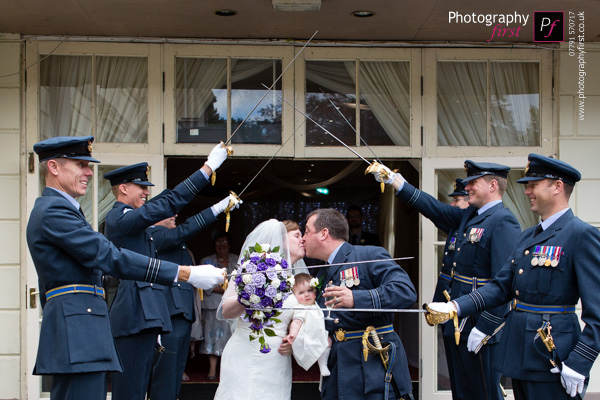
x: 262, y: 283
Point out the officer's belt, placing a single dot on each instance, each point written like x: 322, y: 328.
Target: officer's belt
x: 541, y: 309
x: 446, y: 276
x: 342, y: 335
x: 68, y: 289
x: 469, y: 280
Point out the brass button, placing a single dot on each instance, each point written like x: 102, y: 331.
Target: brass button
x: 526, y: 252
x: 464, y: 235
x: 517, y: 292
x: 454, y: 263
x: 445, y: 253
x: 89, y: 310
x: 458, y: 249
x: 520, y: 271
x: 336, y: 321
x: 443, y: 265
x: 512, y: 261
x: 152, y: 284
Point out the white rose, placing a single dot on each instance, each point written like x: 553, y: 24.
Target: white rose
x: 278, y: 296
x: 265, y: 247
x: 291, y: 280
x: 278, y: 267
x: 247, y: 278
x: 245, y: 302
x: 259, y: 315
x: 314, y: 282
x: 276, y: 282
x: 254, y: 299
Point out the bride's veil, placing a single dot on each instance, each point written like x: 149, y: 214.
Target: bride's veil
x: 272, y: 232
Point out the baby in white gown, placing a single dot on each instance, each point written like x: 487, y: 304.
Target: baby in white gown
x: 310, y: 341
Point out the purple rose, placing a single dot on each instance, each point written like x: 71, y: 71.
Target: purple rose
x: 282, y: 286
x: 256, y: 325
x: 249, y: 289
x: 271, y: 274
x: 251, y: 267
x: 262, y: 266
x: 279, y: 304
x: 255, y: 259
x: 238, y: 280
x: 245, y: 296
x: 284, y: 263
x: 266, y: 302
x: 271, y: 292
x: 260, y: 292
x: 270, y: 262
x: 259, y: 279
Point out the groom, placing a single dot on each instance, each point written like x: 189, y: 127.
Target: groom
x: 376, y: 285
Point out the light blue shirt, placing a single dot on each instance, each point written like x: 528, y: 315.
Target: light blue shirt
x: 488, y: 206
x: 68, y: 197
x: 549, y: 221
x: 334, y: 253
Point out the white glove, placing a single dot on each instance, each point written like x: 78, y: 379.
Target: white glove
x: 391, y: 175
x: 571, y: 380
x: 217, y: 156
x: 442, y: 307
x: 475, y: 338
x: 206, y: 276
x: 219, y: 207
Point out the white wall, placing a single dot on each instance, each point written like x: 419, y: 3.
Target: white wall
x: 10, y: 217
x: 579, y: 141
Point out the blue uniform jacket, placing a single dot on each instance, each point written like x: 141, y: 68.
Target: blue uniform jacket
x: 170, y: 245
x: 383, y: 284
x: 137, y: 305
x: 482, y: 258
x: 75, y: 335
x: 577, y: 276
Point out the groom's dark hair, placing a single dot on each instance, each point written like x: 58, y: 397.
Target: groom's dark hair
x: 333, y: 220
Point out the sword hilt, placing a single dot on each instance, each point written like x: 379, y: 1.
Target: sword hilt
x: 232, y: 202
x: 213, y: 177
x: 454, y: 320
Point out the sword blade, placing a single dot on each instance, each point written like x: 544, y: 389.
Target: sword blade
x: 384, y: 310
x: 329, y: 265
x: 270, y: 88
x: 320, y: 126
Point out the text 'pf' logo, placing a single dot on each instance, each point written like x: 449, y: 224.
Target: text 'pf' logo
x: 548, y: 26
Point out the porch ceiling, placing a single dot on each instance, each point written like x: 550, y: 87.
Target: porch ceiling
x: 394, y: 20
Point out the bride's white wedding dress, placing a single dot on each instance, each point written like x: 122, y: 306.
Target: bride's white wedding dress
x: 246, y: 373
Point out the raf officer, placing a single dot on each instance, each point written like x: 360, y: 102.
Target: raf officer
x: 552, y: 267
x: 169, y: 242
x: 139, y: 312
x: 76, y: 346
x: 486, y: 233
x: 375, y: 285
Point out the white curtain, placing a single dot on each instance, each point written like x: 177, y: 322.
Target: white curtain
x: 66, y: 98
x: 514, y: 104
x: 462, y: 102
x: 385, y: 86
x: 122, y: 99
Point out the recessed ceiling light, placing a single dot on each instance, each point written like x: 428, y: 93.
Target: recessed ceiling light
x: 225, y: 13
x: 363, y: 13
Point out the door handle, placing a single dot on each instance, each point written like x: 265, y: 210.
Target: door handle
x: 32, y: 299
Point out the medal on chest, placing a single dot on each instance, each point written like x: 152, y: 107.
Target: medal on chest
x: 546, y: 256
x: 452, y: 244
x: 475, y: 235
x: 349, y: 277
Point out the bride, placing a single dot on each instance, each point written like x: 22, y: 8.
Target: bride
x: 246, y: 373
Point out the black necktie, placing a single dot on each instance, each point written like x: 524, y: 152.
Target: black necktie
x: 81, y: 211
x: 538, y: 230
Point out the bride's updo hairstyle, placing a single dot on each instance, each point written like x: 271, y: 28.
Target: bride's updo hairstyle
x: 290, y: 225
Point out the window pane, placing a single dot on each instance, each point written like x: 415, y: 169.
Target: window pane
x: 201, y: 100
x: 247, y: 80
x: 122, y: 99
x: 330, y: 82
x: 384, y: 89
x: 65, y: 96
x: 515, y: 104
x: 461, y: 104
